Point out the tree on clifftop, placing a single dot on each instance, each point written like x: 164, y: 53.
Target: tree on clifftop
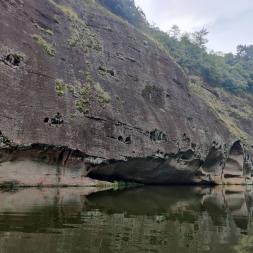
x: 200, y: 37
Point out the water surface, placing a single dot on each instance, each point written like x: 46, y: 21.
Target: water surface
x: 149, y: 219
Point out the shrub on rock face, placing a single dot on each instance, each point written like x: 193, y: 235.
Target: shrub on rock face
x: 82, y: 105
x: 60, y: 87
x: 103, y: 96
x: 126, y: 9
x: 233, y: 72
x: 4, y: 141
x: 48, y: 48
x: 153, y: 94
x: 84, y: 94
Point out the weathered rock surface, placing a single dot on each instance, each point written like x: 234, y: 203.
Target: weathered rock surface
x: 46, y: 166
x: 72, y: 74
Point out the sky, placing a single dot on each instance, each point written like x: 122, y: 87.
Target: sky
x: 229, y: 22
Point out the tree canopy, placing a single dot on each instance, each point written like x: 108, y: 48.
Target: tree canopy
x: 230, y: 71
x: 126, y: 9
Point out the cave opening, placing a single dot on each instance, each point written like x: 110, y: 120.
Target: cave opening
x: 13, y: 59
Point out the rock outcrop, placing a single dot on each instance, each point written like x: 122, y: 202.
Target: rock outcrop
x: 74, y: 75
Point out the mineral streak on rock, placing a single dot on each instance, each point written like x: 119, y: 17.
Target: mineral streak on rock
x: 121, y: 103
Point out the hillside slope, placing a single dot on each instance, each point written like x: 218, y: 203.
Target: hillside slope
x: 78, y: 82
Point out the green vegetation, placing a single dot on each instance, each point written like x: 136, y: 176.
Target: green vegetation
x: 153, y: 94
x: 125, y: 9
x: 149, y: 89
x: 95, y: 88
x: 84, y: 93
x: 220, y: 109
x: 103, y: 96
x: 60, y: 87
x: 218, y: 70
x: 81, y: 35
x: 243, y: 244
x: 233, y: 72
x: 71, y: 89
x: 44, y: 30
x: 49, y: 49
x: 82, y: 105
x: 5, y: 140
x: 121, y: 185
x: 66, y: 10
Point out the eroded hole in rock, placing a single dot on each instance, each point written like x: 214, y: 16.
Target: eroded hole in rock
x: 120, y: 138
x: 236, y: 149
x: 104, y: 71
x: 158, y: 135
x: 186, y: 155
x: 13, y: 59
x: 128, y: 140
x: 61, y: 156
x: 44, y: 158
x: 231, y: 176
x: 57, y: 119
x: 111, y: 72
x: 193, y: 145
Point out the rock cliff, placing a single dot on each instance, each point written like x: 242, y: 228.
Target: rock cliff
x: 81, y: 88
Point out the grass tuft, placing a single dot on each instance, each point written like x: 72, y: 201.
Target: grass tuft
x: 219, y: 109
x: 44, y: 30
x: 48, y: 48
x: 84, y: 93
x: 60, y: 87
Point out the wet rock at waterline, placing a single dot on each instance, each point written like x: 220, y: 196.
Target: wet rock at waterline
x: 44, y: 165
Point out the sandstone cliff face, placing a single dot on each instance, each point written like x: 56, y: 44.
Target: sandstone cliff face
x: 76, y: 77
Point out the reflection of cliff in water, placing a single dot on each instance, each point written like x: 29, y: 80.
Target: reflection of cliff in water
x: 197, y: 219
x: 153, y: 219
x: 174, y: 202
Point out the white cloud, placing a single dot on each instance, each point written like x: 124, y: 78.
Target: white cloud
x: 229, y: 21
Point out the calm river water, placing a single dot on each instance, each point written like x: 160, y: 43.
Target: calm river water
x: 148, y: 219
